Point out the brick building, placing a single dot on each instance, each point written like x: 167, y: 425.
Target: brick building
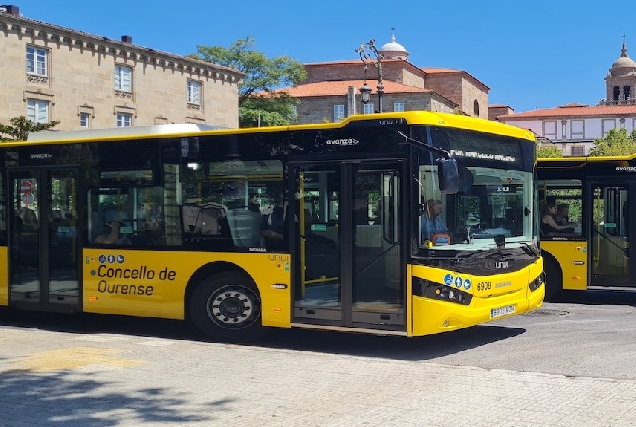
x: 574, y: 127
x: 332, y: 90
x: 48, y: 72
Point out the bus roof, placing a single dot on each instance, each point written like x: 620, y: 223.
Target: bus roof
x: 120, y: 132
x: 587, y: 159
x: 184, y: 130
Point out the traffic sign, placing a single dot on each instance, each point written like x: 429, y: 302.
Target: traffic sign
x: 26, y: 186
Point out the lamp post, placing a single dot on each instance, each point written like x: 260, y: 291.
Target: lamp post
x: 369, y: 52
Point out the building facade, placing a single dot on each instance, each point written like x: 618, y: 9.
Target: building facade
x: 332, y: 89
x: 49, y: 73
x: 574, y: 127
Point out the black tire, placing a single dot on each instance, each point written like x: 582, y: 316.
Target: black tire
x: 226, y: 306
x: 553, y: 279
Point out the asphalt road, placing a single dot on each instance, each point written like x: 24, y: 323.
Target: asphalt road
x: 590, y: 334
x: 567, y: 364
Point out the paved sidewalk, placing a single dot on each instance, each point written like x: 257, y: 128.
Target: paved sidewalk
x: 50, y: 378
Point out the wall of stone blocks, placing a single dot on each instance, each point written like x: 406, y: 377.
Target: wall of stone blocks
x: 353, y: 70
x: 460, y: 90
x: 344, y: 71
x: 413, y: 79
x: 494, y: 112
x: 472, y: 93
x: 447, y: 85
x: 320, y: 109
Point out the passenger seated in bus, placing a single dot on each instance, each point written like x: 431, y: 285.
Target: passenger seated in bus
x: 562, y: 216
x: 113, y: 235
x: 549, y: 226
x: 273, y: 225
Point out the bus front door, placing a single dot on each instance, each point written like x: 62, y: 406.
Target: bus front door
x: 43, y: 239
x: 609, y: 236
x: 348, y: 269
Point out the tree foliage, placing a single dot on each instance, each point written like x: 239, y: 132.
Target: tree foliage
x: 617, y: 142
x: 549, y: 151
x: 20, y: 128
x: 260, y: 101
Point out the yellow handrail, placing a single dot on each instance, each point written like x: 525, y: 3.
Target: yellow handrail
x: 301, y: 220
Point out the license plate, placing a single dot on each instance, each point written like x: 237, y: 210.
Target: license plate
x: 502, y: 311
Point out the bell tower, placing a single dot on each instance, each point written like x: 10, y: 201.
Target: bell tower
x: 620, y: 81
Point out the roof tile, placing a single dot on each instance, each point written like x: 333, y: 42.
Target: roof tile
x: 574, y: 110
x: 339, y: 87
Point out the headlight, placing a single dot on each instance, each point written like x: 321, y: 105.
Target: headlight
x: 536, y: 283
x: 438, y: 291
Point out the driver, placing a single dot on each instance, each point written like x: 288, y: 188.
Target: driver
x: 431, y: 221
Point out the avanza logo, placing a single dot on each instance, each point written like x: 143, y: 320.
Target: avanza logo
x: 342, y: 142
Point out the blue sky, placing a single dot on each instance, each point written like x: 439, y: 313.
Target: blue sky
x: 532, y: 54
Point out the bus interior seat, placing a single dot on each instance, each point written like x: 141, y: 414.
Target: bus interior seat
x: 120, y: 216
x: 112, y: 215
x: 245, y: 226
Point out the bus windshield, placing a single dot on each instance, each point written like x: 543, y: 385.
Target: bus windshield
x: 494, y: 204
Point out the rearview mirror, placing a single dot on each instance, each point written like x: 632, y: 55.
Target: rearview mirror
x: 448, y: 176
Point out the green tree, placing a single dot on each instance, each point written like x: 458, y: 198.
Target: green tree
x: 20, y: 128
x: 549, y: 151
x: 260, y: 100
x: 617, y: 142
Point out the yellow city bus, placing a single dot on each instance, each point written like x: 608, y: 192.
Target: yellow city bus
x: 305, y: 226
x: 596, y: 251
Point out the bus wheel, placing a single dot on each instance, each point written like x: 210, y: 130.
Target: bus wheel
x: 226, y: 305
x: 553, y: 279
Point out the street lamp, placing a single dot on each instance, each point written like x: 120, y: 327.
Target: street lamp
x: 365, y: 93
x: 369, y: 52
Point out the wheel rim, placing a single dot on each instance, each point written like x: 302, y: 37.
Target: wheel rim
x: 233, y: 307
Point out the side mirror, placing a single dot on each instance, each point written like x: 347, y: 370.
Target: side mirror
x: 448, y: 176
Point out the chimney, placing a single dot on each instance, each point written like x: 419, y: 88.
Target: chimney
x: 10, y: 9
x: 126, y: 39
x: 351, y: 101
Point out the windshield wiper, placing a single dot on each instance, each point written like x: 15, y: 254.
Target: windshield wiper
x: 529, y: 249
x: 420, y: 144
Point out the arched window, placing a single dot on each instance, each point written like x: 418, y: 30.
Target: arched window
x: 476, y: 108
x: 627, y: 92
x: 617, y: 93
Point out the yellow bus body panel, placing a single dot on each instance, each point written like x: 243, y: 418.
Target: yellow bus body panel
x: 153, y: 283
x: 432, y: 316
x: 573, y: 258
x: 4, y: 276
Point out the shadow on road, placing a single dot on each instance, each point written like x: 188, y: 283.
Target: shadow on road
x: 391, y: 347
x: 388, y: 347
x: 77, y: 399
x: 599, y: 296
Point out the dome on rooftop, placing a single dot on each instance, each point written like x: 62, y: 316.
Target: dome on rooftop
x: 623, y: 65
x: 393, y: 50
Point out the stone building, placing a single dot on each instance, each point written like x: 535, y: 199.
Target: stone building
x: 332, y: 90
x: 574, y: 127
x: 48, y: 72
